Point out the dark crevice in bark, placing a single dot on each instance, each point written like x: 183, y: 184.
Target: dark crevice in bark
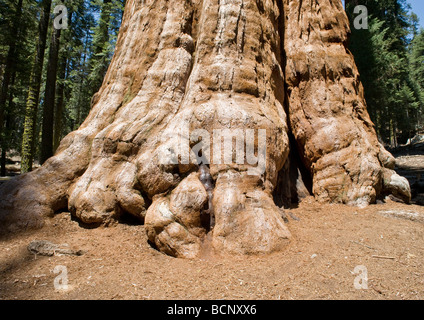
x: 129, y: 219
x: 294, y: 172
x: 294, y: 181
x: 208, y: 216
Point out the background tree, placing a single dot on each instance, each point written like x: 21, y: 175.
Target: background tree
x: 9, y: 71
x: 416, y: 70
x: 77, y: 65
x: 382, y: 54
x: 49, y: 97
x: 17, y: 37
x: 29, y: 135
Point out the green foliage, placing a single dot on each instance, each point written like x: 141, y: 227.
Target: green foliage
x: 24, y: 38
x: 391, y: 67
x: 94, y: 47
x: 417, y: 61
x: 86, y: 48
x: 416, y: 58
x: 104, y: 38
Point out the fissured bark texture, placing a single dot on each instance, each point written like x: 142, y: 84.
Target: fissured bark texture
x: 239, y: 66
x: 327, y: 109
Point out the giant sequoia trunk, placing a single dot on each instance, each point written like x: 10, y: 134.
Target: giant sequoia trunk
x: 275, y: 74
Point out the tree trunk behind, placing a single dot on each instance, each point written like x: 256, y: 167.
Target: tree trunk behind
x: 265, y: 70
x: 49, y: 98
x: 58, y: 113
x: 28, y: 139
x: 7, y: 128
x: 10, y: 69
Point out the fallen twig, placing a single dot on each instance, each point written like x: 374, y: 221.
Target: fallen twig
x: 383, y: 257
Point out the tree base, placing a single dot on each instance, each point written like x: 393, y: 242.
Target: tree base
x: 182, y: 73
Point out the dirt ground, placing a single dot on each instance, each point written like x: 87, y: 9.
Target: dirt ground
x: 337, y: 252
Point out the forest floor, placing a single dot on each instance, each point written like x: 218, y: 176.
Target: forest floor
x: 333, y: 248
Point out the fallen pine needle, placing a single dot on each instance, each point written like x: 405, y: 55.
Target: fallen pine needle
x: 383, y: 257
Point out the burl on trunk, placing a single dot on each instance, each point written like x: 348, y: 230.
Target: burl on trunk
x: 187, y: 77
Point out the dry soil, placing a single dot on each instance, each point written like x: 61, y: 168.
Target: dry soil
x: 333, y: 247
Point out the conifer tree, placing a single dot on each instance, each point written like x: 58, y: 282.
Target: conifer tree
x: 49, y: 97
x: 381, y: 54
x: 9, y: 71
x: 28, y: 139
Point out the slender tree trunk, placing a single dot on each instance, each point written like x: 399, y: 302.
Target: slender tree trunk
x: 83, y: 72
x: 4, y: 148
x: 392, y: 132
x: 9, y: 69
x: 28, y: 139
x: 49, y: 98
x: 3, y: 163
x: 58, y: 114
x: 7, y: 125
